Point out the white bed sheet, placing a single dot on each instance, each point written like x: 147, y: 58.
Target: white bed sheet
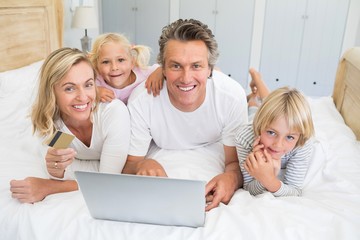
x: 328, y: 209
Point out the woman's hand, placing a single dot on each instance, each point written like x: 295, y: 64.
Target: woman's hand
x: 29, y: 190
x: 57, y: 160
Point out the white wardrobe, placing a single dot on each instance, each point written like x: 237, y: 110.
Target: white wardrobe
x: 231, y: 22
x: 300, y: 45
x: 302, y: 42
x: 140, y: 20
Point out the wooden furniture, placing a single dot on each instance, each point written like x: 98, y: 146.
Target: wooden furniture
x: 30, y: 29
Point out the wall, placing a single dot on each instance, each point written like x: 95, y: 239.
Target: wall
x: 357, y: 40
x: 352, y: 32
x: 72, y: 36
x: 351, y: 37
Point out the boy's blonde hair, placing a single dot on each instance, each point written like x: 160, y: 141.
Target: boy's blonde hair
x: 55, y: 67
x: 288, y: 103
x: 140, y: 54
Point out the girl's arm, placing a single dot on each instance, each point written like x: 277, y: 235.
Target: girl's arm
x: 106, y: 95
x: 154, y: 83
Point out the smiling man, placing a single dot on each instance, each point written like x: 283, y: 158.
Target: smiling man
x: 197, y: 107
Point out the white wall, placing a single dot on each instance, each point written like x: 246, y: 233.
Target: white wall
x: 352, y: 31
x: 72, y: 36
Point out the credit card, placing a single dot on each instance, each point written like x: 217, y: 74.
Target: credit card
x: 60, y: 140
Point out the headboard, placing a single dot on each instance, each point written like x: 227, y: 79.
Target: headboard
x: 346, y: 93
x: 30, y: 30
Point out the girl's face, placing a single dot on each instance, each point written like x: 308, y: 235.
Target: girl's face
x: 114, y: 65
x: 76, y: 93
x: 278, y: 139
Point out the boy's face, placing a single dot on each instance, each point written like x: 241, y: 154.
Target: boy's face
x: 186, y: 70
x: 278, y: 139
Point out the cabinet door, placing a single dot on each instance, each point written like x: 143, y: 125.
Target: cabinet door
x: 302, y: 44
x: 140, y: 20
x: 202, y: 10
x: 151, y: 17
x: 281, y: 44
x: 321, y: 45
x: 119, y: 16
x: 231, y: 22
x: 234, y: 23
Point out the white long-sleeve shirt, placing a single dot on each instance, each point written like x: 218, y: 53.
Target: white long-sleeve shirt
x: 110, y: 141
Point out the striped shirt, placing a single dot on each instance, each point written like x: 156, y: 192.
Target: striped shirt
x: 295, y: 164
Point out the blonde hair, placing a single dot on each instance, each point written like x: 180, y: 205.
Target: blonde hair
x: 55, y: 67
x: 140, y: 54
x: 288, y: 103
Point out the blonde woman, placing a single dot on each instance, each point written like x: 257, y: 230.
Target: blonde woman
x: 279, y: 138
x: 67, y: 101
x: 122, y: 66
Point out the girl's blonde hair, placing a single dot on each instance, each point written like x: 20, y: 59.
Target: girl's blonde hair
x: 140, y: 54
x: 55, y: 67
x: 288, y: 103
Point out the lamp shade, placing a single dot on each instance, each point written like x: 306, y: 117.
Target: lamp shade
x: 84, y: 17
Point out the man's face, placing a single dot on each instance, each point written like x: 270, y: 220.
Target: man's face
x: 186, y: 70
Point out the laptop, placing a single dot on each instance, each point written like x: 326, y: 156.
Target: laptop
x: 143, y: 199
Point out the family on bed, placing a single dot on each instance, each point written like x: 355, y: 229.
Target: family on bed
x: 103, y: 100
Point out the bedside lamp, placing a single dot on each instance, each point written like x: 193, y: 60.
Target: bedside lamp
x: 85, y: 17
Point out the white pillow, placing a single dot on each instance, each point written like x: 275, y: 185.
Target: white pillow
x: 327, y: 120
x: 24, y: 77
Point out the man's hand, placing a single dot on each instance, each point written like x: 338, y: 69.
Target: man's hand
x: 220, y: 189
x: 140, y: 166
x: 150, y: 167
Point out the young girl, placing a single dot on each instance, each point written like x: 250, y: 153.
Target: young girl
x: 278, y: 138
x: 121, y: 67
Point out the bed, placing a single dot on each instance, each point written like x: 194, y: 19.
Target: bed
x: 328, y: 209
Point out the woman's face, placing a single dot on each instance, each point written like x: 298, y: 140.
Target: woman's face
x: 278, y: 139
x: 76, y: 93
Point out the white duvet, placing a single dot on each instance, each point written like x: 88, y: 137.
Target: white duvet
x: 328, y: 209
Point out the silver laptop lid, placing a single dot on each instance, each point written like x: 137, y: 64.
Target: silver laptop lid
x: 143, y: 199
